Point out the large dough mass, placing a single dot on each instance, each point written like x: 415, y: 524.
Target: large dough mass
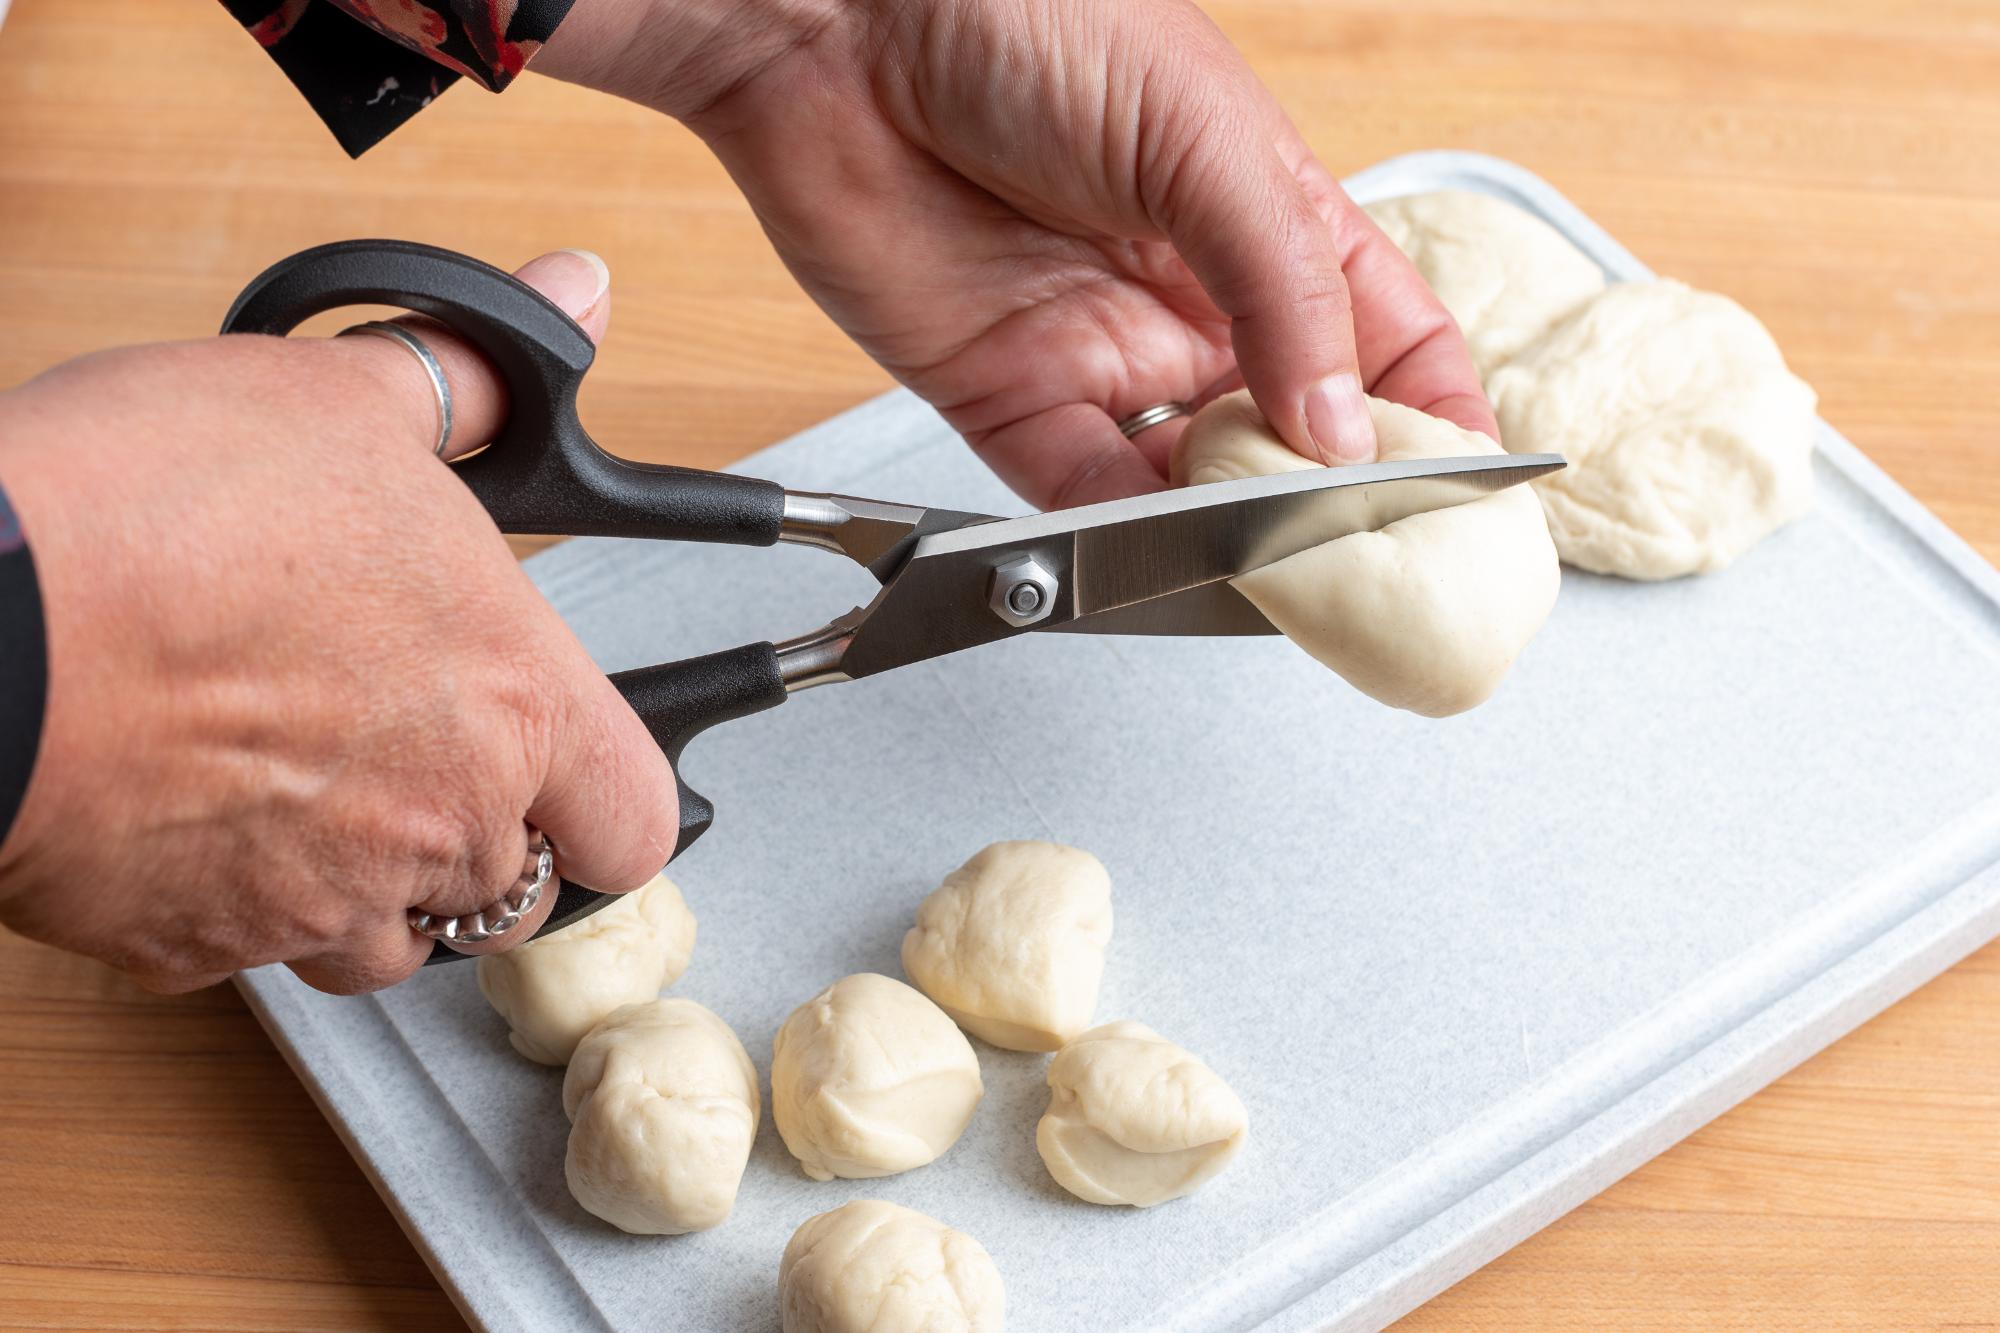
x: 869, y: 1078
x: 1011, y: 945
x: 875, y: 1267
x: 663, y: 1105
x: 1687, y: 437
x: 1504, y: 274
x: 1426, y: 614
x: 1134, y: 1119
x: 554, y: 989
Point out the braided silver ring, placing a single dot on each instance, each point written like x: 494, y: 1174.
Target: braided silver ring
x: 1147, y: 418
x: 499, y: 917
x: 440, y: 387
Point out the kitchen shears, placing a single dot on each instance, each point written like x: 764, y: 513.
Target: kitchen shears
x: 1152, y: 565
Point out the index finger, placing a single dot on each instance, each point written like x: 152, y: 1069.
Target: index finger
x: 1409, y: 348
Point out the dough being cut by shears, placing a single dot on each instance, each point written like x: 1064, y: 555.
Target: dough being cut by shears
x: 662, y: 1100
x: 1426, y: 614
x: 1688, y: 439
x: 875, y: 1267
x: 869, y: 1078
x: 1504, y: 274
x: 1011, y: 945
x: 554, y: 989
x: 1134, y: 1119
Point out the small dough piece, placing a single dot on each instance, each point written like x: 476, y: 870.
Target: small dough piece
x: 1688, y: 439
x: 875, y: 1267
x: 1135, y: 1119
x: 1011, y: 945
x: 1504, y: 274
x: 662, y: 1100
x: 554, y: 989
x: 869, y: 1078
x: 1426, y: 614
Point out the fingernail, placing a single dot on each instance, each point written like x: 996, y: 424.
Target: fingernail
x: 576, y: 280
x: 1338, y: 421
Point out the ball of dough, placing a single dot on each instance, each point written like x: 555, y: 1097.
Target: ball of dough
x: 1504, y: 274
x: 869, y: 1078
x: 1011, y: 945
x: 662, y: 1100
x: 1688, y: 440
x: 554, y: 989
x: 874, y: 1267
x: 1135, y: 1119
x: 1426, y: 614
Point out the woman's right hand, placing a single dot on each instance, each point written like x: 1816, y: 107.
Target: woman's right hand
x: 298, y: 684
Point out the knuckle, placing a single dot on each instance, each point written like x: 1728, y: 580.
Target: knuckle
x: 356, y: 972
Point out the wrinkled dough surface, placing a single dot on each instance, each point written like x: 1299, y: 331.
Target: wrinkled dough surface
x: 875, y: 1267
x: 663, y: 1105
x: 1504, y: 274
x: 554, y: 989
x: 1011, y: 945
x: 869, y: 1078
x: 1688, y: 439
x: 1427, y: 613
x: 1134, y: 1119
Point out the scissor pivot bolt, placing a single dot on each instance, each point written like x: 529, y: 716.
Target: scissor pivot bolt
x: 1023, y: 591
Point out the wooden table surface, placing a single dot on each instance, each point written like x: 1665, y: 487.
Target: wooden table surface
x: 1834, y: 164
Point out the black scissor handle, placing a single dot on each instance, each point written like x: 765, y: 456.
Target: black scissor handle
x: 542, y: 473
x: 677, y: 701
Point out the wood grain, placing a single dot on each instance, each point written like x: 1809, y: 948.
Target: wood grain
x: 1835, y: 164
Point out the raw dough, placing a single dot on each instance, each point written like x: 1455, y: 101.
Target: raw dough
x: 869, y: 1078
x: 1688, y: 440
x: 554, y: 989
x: 1504, y: 274
x: 1011, y: 945
x: 1135, y: 1119
x: 874, y: 1267
x: 662, y: 1101
x: 1426, y: 614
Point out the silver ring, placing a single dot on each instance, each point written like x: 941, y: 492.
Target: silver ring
x: 440, y: 387
x: 499, y: 917
x: 1152, y: 416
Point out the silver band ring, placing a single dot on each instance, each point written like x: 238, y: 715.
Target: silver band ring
x: 1147, y: 418
x: 440, y: 387
x: 499, y: 917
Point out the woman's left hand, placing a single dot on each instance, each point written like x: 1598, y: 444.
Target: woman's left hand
x: 1045, y: 215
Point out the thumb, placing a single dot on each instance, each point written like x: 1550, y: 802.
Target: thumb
x: 1267, y: 259
x: 575, y: 280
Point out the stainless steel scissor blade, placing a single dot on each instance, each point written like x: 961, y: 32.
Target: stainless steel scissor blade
x: 1106, y: 563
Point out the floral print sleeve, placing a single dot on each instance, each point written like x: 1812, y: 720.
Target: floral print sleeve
x: 366, y: 66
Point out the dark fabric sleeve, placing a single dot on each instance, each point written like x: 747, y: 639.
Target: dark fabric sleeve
x: 24, y: 666
x: 366, y: 66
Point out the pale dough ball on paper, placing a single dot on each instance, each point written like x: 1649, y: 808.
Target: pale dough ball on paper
x: 869, y: 1078
x: 662, y: 1100
x: 1688, y: 440
x: 1504, y: 274
x: 1134, y: 1119
x: 874, y: 1267
x: 1011, y: 945
x: 554, y: 989
x: 1426, y: 614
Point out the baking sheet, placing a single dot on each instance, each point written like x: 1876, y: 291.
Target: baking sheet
x: 1464, y: 973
